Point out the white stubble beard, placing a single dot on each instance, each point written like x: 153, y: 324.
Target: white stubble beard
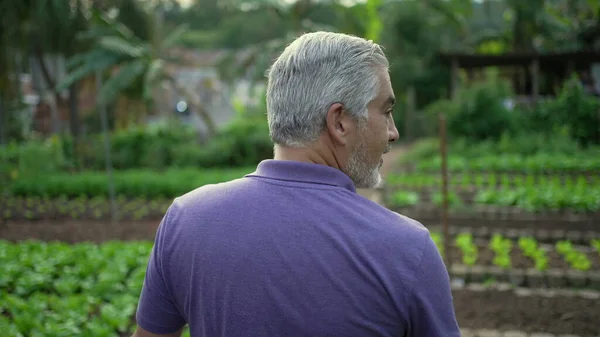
x: 363, y: 173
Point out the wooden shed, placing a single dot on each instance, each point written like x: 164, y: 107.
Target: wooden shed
x: 532, y: 74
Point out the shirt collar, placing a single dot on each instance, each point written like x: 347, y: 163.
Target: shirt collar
x: 303, y: 172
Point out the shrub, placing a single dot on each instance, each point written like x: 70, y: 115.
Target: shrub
x: 479, y: 112
x: 34, y: 157
x: 244, y: 142
x: 574, y: 112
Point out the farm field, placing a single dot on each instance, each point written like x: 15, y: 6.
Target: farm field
x: 109, y: 110
x: 88, y: 289
x: 524, y: 236
x: 524, y: 247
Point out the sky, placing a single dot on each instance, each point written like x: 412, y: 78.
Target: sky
x: 185, y: 3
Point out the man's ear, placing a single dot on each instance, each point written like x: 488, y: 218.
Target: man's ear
x: 338, y: 123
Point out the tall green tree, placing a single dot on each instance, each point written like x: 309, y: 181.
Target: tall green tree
x: 12, y: 40
x: 135, y: 67
x: 38, y: 31
x: 251, y: 62
x: 301, y: 16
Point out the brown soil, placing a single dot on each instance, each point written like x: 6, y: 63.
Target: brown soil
x: 79, y: 230
x: 32, y: 209
x: 504, y: 310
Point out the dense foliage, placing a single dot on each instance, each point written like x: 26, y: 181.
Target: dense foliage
x: 244, y: 142
x: 129, y: 183
x: 486, y: 111
x: 58, y: 290
x: 529, y: 192
x: 479, y: 112
x: 573, y: 112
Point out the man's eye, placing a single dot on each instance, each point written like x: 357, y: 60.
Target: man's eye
x: 389, y: 112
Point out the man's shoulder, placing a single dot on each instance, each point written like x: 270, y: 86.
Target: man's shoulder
x: 400, y: 234
x: 217, y: 191
x: 397, y: 223
x: 406, y: 229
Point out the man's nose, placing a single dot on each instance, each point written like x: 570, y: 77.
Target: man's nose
x: 393, y: 133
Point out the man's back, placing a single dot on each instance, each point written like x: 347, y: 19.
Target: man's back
x: 292, y: 250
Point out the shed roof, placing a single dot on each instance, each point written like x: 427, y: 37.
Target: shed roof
x: 546, y: 60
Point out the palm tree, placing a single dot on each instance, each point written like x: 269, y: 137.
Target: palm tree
x: 31, y: 32
x: 136, y: 66
x: 251, y: 62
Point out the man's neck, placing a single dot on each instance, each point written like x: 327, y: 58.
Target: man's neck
x: 312, y: 154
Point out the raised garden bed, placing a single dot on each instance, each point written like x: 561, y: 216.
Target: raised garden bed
x: 78, y: 230
x: 519, y: 260
x: 497, y: 212
x: 529, y: 311
x: 502, y: 219
x: 523, y: 262
x: 541, y: 235
x: 531, y: 277
x: 30, y: 209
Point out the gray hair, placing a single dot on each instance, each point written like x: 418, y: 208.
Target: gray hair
x: 314, y: 72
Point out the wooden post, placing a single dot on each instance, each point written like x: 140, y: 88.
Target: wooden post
x: 444, y: 172
x: 453, y: 78
x: 107, y: 151
x: 535, y: 80
x: 3, y: 123
x: 570, y: 68
x: 521, y: 73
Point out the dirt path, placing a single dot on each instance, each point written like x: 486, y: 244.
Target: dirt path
x: 390, y: 161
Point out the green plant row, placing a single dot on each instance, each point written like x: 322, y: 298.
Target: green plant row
x: 531, y: 199
x: 131, y: 183
x: 531, y: 249
x: 576, y: 259
x: 540, y: 198
x: 57, y: 290
x: 514, y: 163
x: 467, y: 180
x: 410, y: 198
x: 503, y: 247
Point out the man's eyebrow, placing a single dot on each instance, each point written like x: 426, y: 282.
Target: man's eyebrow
x: 391, y: 101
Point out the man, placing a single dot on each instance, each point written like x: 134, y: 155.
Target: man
x: 292, y: 249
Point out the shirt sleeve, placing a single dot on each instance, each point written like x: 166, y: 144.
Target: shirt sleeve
x: 157, y: 311
x: 431, y: 307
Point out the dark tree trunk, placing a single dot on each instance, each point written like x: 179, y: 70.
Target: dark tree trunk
x: 74, y: 119
x: 3, y: 123
x: 39, y: 54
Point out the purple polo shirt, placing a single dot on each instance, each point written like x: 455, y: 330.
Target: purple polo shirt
x: 293, y: 250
